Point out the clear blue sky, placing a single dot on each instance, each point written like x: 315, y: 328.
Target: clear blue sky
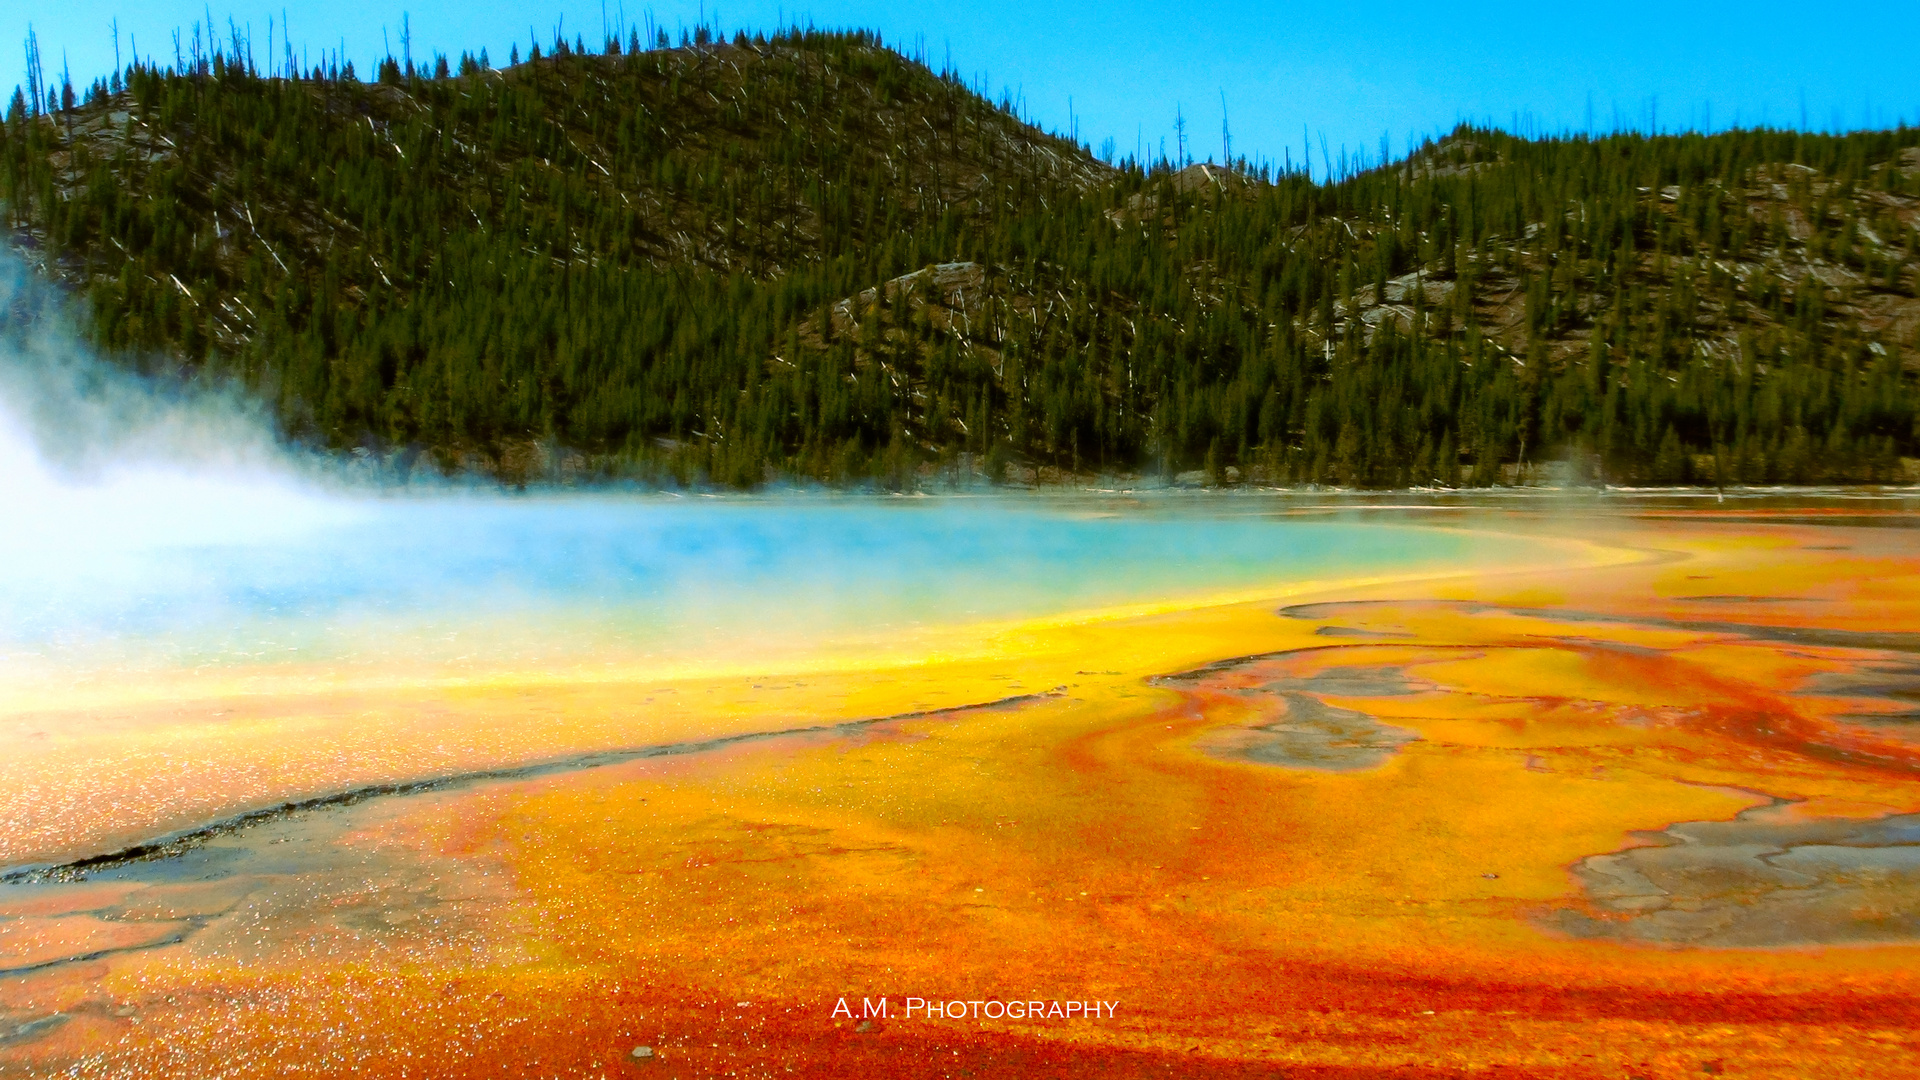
x: 1290, y: 73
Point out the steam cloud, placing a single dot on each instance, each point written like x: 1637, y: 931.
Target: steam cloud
x: 154, y: 513
x: 96, y: 461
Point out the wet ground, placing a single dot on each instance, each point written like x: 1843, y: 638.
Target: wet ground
x: 1650, y: 812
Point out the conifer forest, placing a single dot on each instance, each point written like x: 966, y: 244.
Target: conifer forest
x: 811, y: 258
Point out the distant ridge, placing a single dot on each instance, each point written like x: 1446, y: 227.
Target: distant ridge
x: 810, y: 257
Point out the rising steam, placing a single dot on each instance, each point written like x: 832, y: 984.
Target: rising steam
x: 158, y: 515
x: 97, y: 462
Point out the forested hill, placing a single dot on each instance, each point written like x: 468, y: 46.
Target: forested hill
x: 811, y: 257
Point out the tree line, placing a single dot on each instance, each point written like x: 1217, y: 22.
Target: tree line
x: 808, y: 256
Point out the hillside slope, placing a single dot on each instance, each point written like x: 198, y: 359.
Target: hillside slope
x: 809, y: 256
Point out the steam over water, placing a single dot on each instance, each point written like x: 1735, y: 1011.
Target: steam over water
x: 167, y: 528
x: 209, y: 567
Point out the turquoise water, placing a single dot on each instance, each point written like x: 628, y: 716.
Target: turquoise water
x: 254, y: 572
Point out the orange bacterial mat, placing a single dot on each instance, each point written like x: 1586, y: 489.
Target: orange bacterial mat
x: 1648, y: 808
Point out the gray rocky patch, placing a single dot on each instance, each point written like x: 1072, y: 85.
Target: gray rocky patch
x: 1757, y: 881
x: 1304, y: 731
x: 1311, y: 734
x: 1379, y: 681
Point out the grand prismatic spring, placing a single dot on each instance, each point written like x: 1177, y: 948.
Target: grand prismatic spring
x: 303, y: 784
